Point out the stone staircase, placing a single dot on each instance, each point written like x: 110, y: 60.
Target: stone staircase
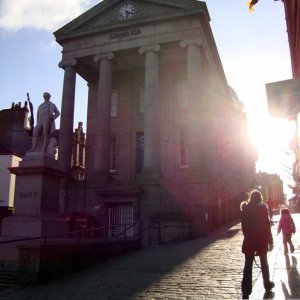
x: 8, y: 278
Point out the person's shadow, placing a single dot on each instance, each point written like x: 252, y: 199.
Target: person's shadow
x: 269, y: 295
x: 293, y: 278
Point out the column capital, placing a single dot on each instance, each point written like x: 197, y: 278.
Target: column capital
x: 99, y: 57
x: 195, y: 42
x: 67, y: 63
x: 153, y: 48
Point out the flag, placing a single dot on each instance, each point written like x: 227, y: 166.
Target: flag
x: 251, y: 4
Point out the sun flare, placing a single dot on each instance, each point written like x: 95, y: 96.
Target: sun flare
x: 272, y: 138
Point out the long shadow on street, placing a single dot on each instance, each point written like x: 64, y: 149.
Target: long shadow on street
x: 198, y: 267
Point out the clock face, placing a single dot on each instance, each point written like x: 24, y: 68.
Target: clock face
x: 126, y: 11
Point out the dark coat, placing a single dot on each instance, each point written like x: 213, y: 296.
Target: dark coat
x: 256, y: 229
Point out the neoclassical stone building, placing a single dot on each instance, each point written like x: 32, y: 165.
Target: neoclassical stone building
x: 166, y: 138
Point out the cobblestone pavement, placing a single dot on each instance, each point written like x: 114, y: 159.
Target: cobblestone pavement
x: 206, y: 268
x: 284, y: 269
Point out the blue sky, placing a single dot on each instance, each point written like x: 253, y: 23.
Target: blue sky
x: 253, y: 48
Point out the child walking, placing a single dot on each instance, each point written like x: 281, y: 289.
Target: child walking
x: 287, y: 226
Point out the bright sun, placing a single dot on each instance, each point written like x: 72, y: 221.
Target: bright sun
x: 272, y: 138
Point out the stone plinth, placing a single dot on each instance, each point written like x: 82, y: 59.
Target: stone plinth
x: 36, y: 198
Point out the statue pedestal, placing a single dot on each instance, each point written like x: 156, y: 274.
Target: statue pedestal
x: 36, y: 207
x: 36, y: 202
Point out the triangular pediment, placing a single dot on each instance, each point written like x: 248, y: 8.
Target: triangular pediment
x: 114, y: 14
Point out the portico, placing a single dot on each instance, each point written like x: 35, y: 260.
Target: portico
x: 151, y: 124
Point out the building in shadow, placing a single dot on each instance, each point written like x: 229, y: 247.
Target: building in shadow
x: 78, y: 153
x: 14, y: 142
x: 166, y: 143
x: 166, y: 137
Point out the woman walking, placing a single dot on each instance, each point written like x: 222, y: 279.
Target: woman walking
x: 257, y: 240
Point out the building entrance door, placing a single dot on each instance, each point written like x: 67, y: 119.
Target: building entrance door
x: 118, y: 217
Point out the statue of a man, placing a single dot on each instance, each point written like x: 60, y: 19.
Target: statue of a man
x: 46, y: 114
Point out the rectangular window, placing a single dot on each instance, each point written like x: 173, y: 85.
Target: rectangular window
x: 183, y: 151
x: 142, y: 99
x: 114, y: 103
x: 119, y: 218
x: 182, y: 94
x: 113, y: 152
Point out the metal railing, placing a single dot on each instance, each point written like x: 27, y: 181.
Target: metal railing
x: 79, y: 234
x: 89, y: 245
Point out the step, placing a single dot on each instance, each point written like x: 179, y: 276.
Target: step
x: 8, y: 278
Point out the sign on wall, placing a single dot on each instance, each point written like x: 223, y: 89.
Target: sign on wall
x: 284, y: 98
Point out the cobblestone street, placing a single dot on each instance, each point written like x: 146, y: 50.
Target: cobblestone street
x: 207, y: 268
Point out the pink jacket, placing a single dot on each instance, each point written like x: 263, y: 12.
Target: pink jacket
x: 286, y: 225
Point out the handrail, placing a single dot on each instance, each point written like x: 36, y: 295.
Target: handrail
x: 81, y: 231
x: 151, y: 225
x: 126, y: 228
x: 105, y: 242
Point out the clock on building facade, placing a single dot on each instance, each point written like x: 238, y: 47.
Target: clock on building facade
x: 126, y: 11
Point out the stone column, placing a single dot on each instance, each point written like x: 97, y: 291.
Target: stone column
x: 195, y: 126
x: 151, y: 115
x: 102, y: 138
x: 67, y: 116
x: 91, y: 129
x: 198, y: 132
x: 194, y: 68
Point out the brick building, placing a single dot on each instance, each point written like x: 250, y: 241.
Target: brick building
x: 283, y: 96
x: 271, y: 187
x: 292, y: 13
x: 14, y: 141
